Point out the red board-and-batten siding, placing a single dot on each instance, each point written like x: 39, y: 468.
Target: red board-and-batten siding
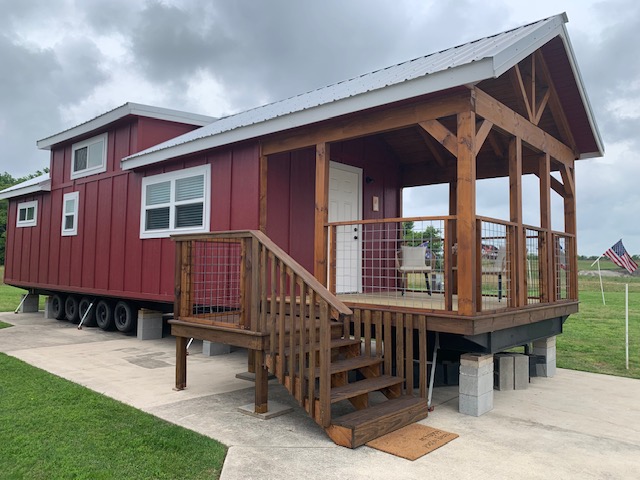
x: 291, y: 191
x: 107, y: 256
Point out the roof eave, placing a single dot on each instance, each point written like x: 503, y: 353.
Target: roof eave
x: 119, y: 113
x: 455, y: 77
x: 20, y: 192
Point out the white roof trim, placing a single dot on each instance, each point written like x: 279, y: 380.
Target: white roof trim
x: 41, y: 183
x: 117, y: 113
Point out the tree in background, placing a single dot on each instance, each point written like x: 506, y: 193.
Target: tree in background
x: 6, y: 181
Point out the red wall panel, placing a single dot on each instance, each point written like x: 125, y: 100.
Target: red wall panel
x: 104, y: 243
x: 89, y: 213
x: 245, y: 187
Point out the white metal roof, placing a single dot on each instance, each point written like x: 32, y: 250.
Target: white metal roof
x: 466, y: 64
x: 121, y: 112
x: 41, y: 183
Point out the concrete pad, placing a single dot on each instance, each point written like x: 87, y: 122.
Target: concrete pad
x: 576, y: 425
x: 275, y: 410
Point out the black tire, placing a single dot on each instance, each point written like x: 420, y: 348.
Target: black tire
x: 125, y: 316
x: 83, y: 306
x: 104, y: 315
x: 71, y: 310
x: 57, y: 306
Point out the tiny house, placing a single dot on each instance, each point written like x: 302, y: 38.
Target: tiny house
x: 281, y: 229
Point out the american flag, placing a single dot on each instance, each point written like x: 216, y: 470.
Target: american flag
x: 618, y: 255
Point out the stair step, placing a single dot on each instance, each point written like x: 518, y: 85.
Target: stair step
x: 354, y: 363
x: 361, y: 426
x: 350, y: 390
x: 335, y: 343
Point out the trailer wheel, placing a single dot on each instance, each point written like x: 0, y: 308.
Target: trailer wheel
x: 57, y: 306
x: 71, y: 310
x: 104, y: 315
x: 83, y: 306
x: 125, y: 316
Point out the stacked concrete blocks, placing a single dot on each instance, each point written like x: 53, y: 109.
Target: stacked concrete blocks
x: 511, y: 371
x: 476, y: 384
x: 546, y: 348
x: 212, y: 349
x: 149, y: 324
x: 30, y: 303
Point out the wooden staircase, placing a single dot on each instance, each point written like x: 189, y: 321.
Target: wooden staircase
x: 355, y: 378
x: 300, y: 332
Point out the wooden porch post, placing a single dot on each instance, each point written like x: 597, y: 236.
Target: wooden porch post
x: 546, y: 247
x: 321, y: 213
x: 518, y: 249
x: 466, y: 213
x: 263, y: 193
x: 570, y: 226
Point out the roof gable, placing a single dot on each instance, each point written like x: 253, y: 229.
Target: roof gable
x: 465, y: 64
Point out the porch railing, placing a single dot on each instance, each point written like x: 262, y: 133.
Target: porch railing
x: 242, y: 280
x: 364, y: 264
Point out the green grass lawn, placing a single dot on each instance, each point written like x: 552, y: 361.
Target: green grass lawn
x: 593, y: 339
x: 52, y: 428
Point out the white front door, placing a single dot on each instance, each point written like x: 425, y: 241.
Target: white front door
x: 345, y: 204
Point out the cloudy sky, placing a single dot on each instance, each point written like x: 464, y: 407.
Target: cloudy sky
x: 64, y: 62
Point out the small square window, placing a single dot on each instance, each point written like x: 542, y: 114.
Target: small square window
x: 27, y: 214
x: 70, y: 214
x: 89, y: 156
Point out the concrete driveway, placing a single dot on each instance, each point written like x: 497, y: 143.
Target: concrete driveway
x: 575, y: 425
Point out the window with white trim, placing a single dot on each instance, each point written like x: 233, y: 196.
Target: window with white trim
x: 176, y: 202
x: 70, y: 214
x: 27, y: 214
x: 89, y: 156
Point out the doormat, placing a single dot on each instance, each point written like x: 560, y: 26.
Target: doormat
x: 413, y: 441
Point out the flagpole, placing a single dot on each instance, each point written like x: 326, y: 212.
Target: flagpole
x: 600, y: 275
x: 626, y: 323
x: 597, y: 260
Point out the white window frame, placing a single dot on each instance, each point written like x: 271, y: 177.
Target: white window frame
x: 75, y: 196
x: 172, y: 177
x: 89, y: 170
x: 25, y: 206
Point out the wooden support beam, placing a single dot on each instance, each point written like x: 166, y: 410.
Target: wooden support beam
x: 567, y: 179
x: 367, y: 123
x: 442, y: 134
x: 181, y: 363
x: 466, y: 213
x: 321, y: 215
x: 263, y: 193
x: 261, y: 383
x: 555, y: 106
x: 523, y: 91
x: 546, y: 244
x: 557, y: 186
x: 494, y: 141
x: 503, y: 117
x: 428, y: 140
x: 515, y: 208
x: 543, y: 104
x: 482, y: 133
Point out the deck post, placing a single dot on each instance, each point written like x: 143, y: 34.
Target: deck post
x: 321, y: 215
x: 466, y: 213
x: 262, y: 382
x: 181, y: 363
x: 546, y: 270
x: 518, y: 251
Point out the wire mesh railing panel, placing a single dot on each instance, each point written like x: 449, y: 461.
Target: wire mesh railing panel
x: 533, y: 266
x: 399, y: 263
x: 495, y: 261
x: 216, y: 273
x: 562, y: 248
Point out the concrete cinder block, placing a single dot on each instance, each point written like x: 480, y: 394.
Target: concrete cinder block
x: 149, y: 324
x: 476, y: 359
x: 485, y: 369
x: 48, y: 312
x: 30, y: 303
x: 211, y: 349
x: 475, y: 406
x: 520, y: 371
x: 503, y: 373
x: 547, y: 349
